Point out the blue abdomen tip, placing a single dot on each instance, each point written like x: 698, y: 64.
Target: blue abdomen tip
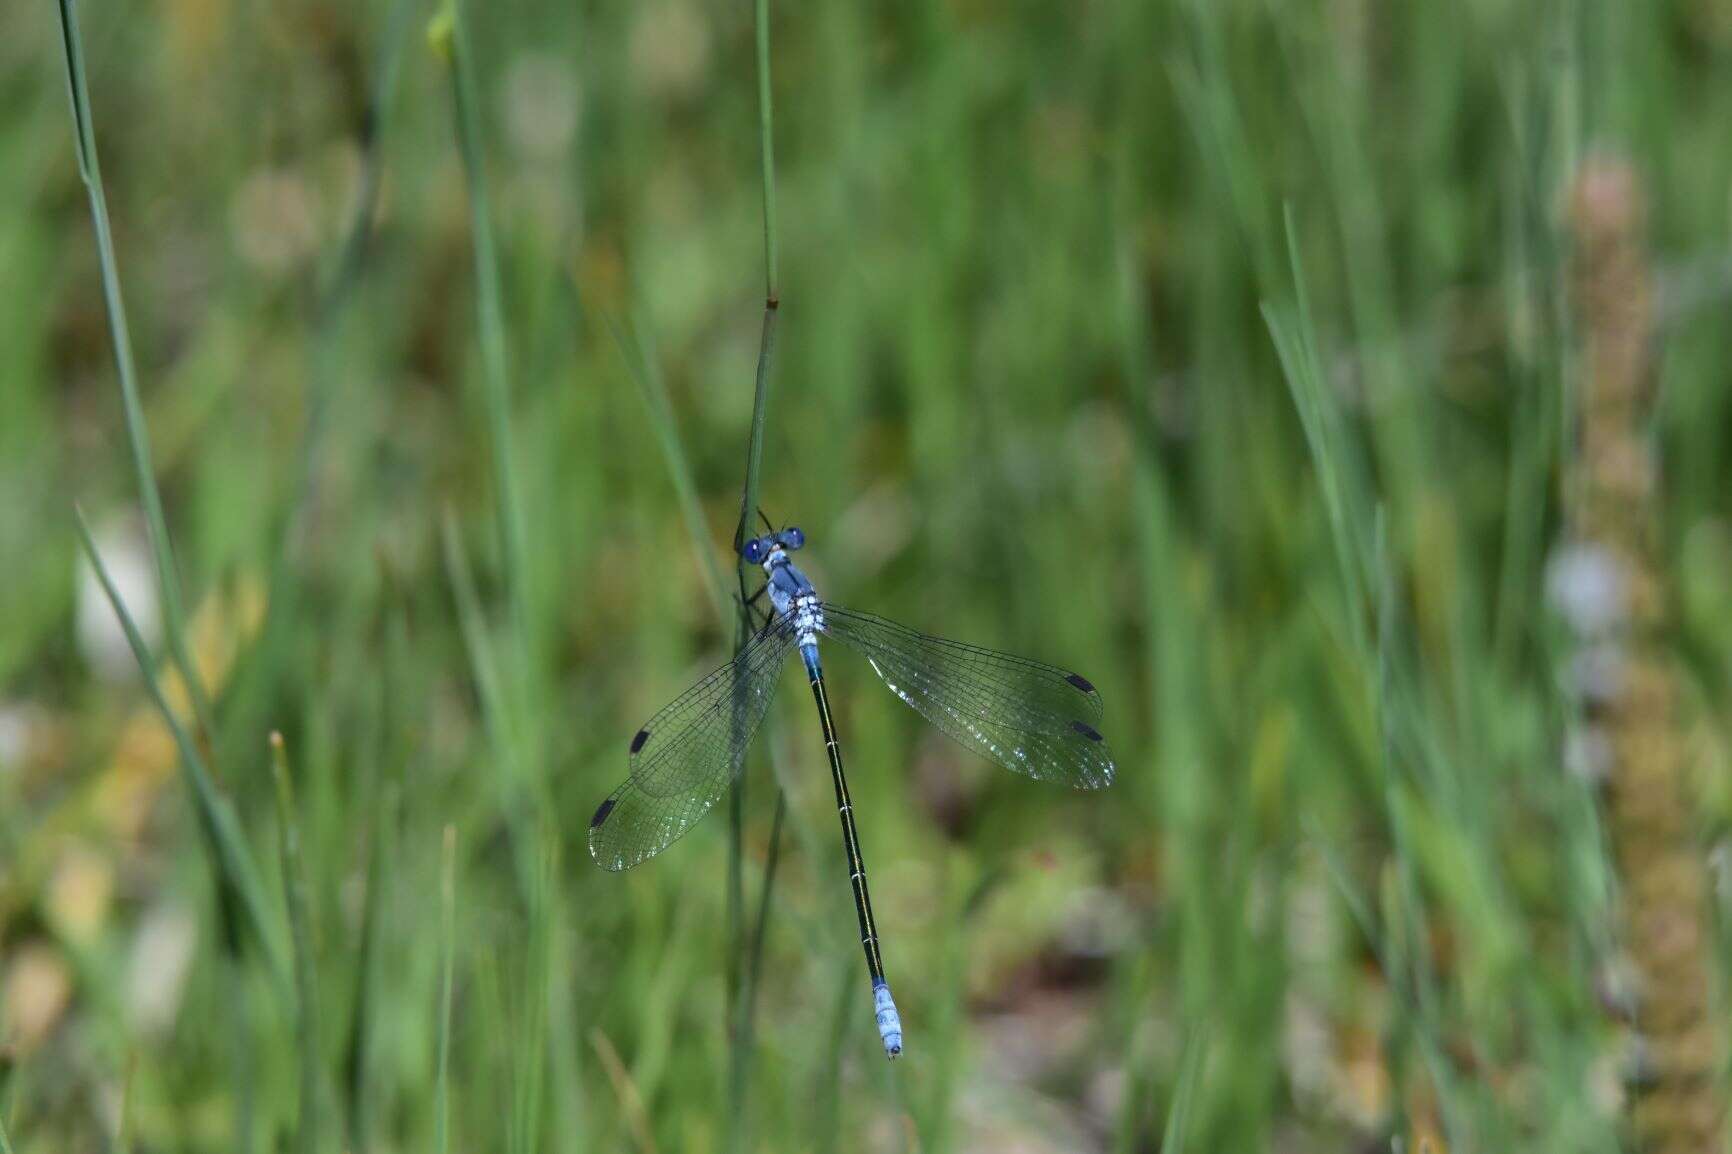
x: 889, y: 1021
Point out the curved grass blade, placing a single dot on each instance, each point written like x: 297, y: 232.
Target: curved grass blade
x: 231, y: 861
x: 447, y: 948
x: 300, y: 928
x: 453, y: 37
x: 138, y: 437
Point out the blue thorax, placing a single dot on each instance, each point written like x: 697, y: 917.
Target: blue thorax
x: 794, y: 598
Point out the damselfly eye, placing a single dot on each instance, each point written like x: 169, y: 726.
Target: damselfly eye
x: 791, y: 538
x: 753, y: 551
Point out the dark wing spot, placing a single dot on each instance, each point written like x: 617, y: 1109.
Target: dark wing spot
x: 637, y: 742
x: 1080, y: 682
x: 1086, y: 730
x: 601, y: 813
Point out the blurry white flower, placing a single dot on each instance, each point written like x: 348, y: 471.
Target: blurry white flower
x: 126, y: 555
x: 540, y: 99
x: 16, y: 723
x: 670, y: 49
x: 1307, y: 1048
x: 1588, y: 587
x: 1588, y: 755
x: 161, y: 956
x: 1596, y: 673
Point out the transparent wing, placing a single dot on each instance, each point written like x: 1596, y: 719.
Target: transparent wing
x: 1032, y: 718
x: 686, y: 756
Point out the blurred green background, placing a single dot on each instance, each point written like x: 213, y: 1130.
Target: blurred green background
x: 1035, y: 262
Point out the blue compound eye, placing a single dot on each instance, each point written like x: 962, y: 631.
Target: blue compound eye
x: 753, y: 551
x: 791, y: 538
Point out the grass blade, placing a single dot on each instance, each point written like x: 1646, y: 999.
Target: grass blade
x: 496, y: 713
x: 295, y: 890
x: 766, y: 144
x: 452, y: 36
x: 647, y: 373
x: 138, y: 437
x: 489, y: 682
x: 630, y: 1099
x: 447, y: 947
x: 755, y: 957
x: 1179, y: 1113
x: 381, y: 841
x: 741, y: 972
x: 231, y: 862
x: 1338, y: 470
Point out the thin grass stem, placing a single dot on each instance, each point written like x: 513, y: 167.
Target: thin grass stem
x: 295, y: 891
x: 1339, y: 470
x: 231, y: 861
x: 350, y: 260
x: 490, y: 321
x: 646, y: 371
x: 447, y: 948
x: 741, y: 975
x: 128, y: 1083
x: 767, y: 147
x: 1179, y: 1113
x: 358, y: 1117
x: 827, y: 1120
x: 120, y: 335
x: 381, y: 858
x: 760, y: 929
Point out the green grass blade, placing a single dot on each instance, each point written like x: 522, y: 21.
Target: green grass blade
x: 646, y: 371
x: 359, y: 1119
x: 1179, y: 1113
x: 295, y: 891
x: 827, y: 1119
x: 490, y: 320
x: 138, y: 437
x: 772, y: 298
x: 502, y: 730
x: 1338, y: 469
x: 740, y: 979
x: 745, y: 1028
x: 123, y: 1129
x: 489, y: 681
x: 384, y: 812
x: 755, y: 442
x: 766, y: 144
x: 358, y: 235
x: 231, y: 863
x: 529, y: 1050
x: 447, y: 948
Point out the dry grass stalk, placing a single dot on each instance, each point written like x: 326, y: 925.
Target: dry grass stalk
x: 1627, y: 684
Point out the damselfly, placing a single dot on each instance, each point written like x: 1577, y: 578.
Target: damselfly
x: 1035, y: 719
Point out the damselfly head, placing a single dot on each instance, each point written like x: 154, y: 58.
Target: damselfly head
x: 758, y: 549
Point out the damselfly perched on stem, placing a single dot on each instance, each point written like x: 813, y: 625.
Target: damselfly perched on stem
x: 1032, y: 718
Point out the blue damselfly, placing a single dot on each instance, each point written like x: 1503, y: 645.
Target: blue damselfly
x: 1036, y: 719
